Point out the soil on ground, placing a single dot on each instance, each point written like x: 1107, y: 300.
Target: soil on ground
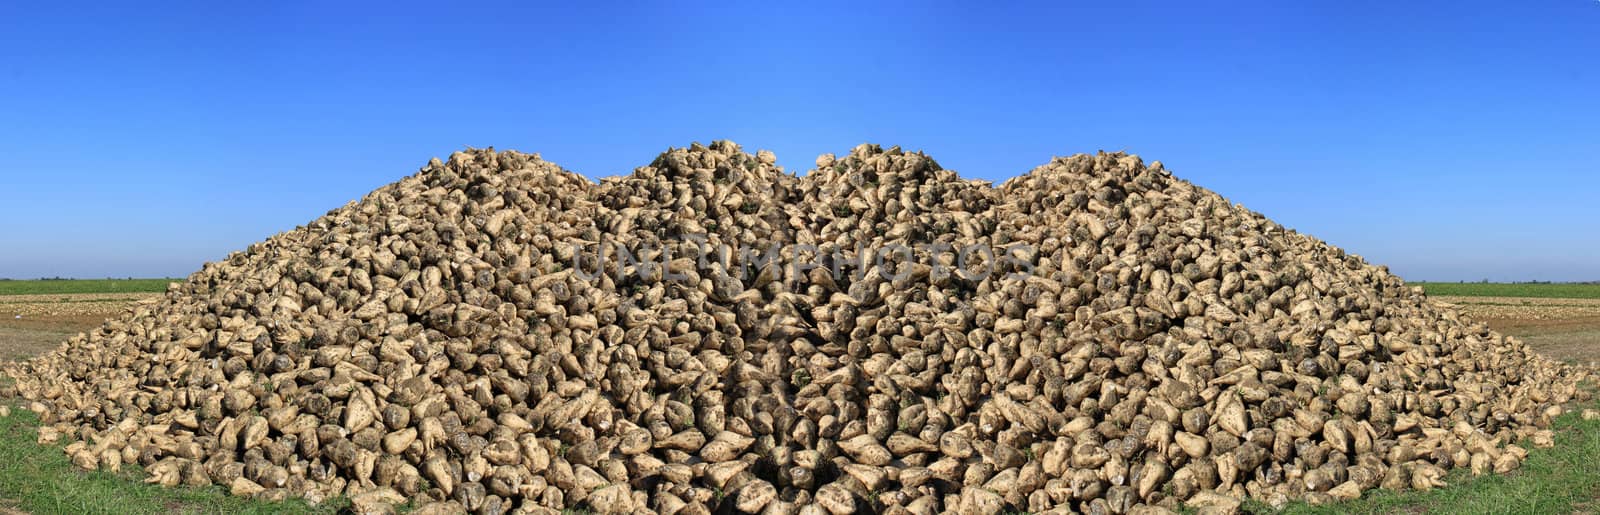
x: 69, y: 304
x: 30, y: 336
x: 33, y: 324
x: 1565, y: 329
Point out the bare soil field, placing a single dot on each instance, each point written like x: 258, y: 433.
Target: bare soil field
x: 69, y: 304
x: 32, y: 324
x: 1566, y: 329
x: 23, y: 339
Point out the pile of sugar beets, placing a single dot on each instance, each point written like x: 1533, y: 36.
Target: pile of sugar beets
x: 495, y: 334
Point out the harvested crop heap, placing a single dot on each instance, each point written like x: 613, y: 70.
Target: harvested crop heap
x: 456, y: 338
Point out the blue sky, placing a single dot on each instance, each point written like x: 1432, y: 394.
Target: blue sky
x: 1450, y: 140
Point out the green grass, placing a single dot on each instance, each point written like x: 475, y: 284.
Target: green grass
x: 40, y: 479
x: 68, y: 286
x: 1536, y: 290
x: 1561, y: 479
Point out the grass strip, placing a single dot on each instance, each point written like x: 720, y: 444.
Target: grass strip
x: 40, y: 479
x: 1562, y: 479
x: 1534, y: 290
x: 49, y: 286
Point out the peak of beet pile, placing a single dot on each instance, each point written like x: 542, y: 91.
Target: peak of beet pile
x: 495, y: 334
